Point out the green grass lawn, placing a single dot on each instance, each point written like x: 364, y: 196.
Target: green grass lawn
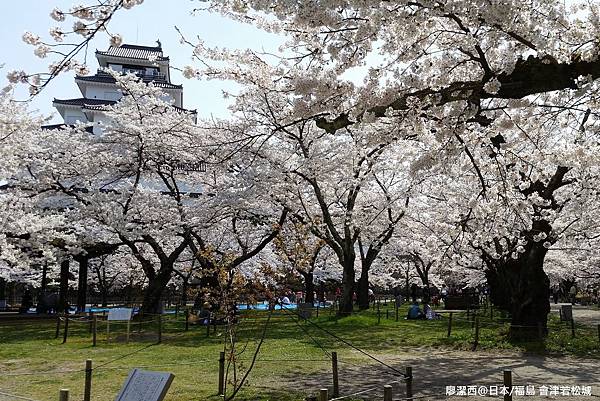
x: 291, y: 348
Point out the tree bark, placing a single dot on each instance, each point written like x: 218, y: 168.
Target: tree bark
x: 2, y: 289
x: 522, y: 288
x: 348, y: 278
x: 362, y: 292
x: 153, y: 294
x: 309, y: 287
x: 82, y: 282
x: 63, y: 287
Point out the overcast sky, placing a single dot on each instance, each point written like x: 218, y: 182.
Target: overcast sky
x: 143, y: 25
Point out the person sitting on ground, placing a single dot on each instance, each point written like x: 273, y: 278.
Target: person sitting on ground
x: 414, y: 312
x: 429, y: 313
x: 285, y: 300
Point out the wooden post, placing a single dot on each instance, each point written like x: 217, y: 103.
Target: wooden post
x: 323, y: 394
x: 474, y: 318
x: 94, y: 330
x: 387, y: 393
x: 508, y: 385
x: 378, y: 313
x: 63, y: 395
x: 409, y: 378
x: 449, y: 325
x: 66, y: 330
x: 396, y: 312
x: 476, y: 342
x: 57, y: 326
x: 387, y: 313
x: 572, y: 327
x: 128, y: 330
x: 159, y: 329
x: 334, y: 368
x: 87, y: 391
x: 107, y: 330
x: 91, y: 321
x: 187, y: 319
x: 221, y: 372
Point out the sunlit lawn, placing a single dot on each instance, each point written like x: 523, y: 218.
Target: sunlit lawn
x: 31, y: 359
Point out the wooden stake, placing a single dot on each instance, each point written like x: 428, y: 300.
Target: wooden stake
x: 57, y: 327
x: 476, y: 342
x: 66, y: 330
x: 323, y: 394
x: 387, y: 393
x: 409, y: 378
x: 94, y: 330
x: 508, y: 385
x: 159, y: 329
x: 87, y: 391
x: 221, y: 372
x: 334, y: 368
x: 63, y: 395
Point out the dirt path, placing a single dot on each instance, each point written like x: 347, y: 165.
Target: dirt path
x: 434, y: 370
x: 581, y: 314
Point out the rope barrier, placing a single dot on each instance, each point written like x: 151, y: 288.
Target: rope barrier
x: 355, y: 394
x: 17, y: 396
x: 354, y: 347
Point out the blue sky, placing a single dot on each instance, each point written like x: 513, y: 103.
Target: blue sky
x: 154, y: 19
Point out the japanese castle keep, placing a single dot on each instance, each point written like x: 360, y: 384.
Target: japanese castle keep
x: 148, y: 63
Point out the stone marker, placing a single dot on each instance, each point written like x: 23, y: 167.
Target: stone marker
x: 145, y: 385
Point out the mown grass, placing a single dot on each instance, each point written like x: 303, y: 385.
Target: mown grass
x: 291, y: 349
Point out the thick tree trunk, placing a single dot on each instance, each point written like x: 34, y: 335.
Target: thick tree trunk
x: 2, y: 289
x: 154, y: 292
x: 362, y: 292
x: 522, y: 288
x: 63, y: 287
x: 348, y: 278
x: 309, y: 287
x: 82, y: 283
